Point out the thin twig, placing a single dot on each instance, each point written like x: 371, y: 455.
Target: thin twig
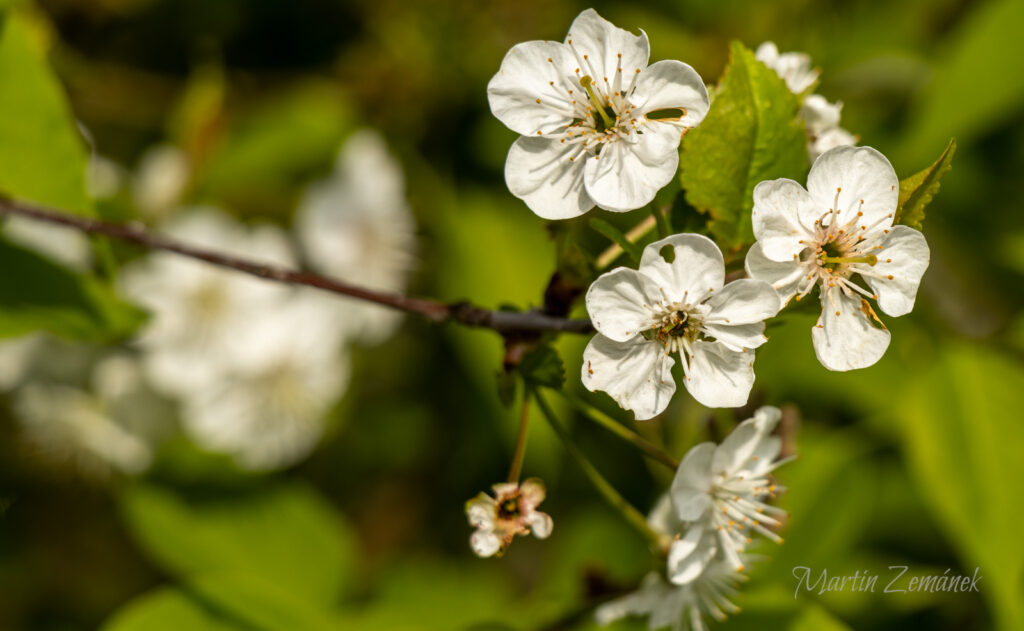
x: 649, y: 449
x: 517, y: 458
x: 629, y: 512
x: 438, y: 312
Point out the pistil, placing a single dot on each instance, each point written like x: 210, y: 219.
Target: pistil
x: 870, y: 259
x: 588, y: 85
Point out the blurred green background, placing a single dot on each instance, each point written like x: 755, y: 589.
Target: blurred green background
x: 915, y: 461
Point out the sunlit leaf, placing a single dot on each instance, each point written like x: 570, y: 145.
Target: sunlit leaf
x: 917, y: 191
x: 42, y: 157
x: 167, y: 610
x: 285, y: 533
x: 750, y: 134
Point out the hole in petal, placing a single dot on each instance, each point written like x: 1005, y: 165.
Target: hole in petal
x: 670, y: 114
x: 668, y: 253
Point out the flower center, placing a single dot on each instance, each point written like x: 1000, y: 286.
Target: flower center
x: 509, y: 508
x: 604, y: 122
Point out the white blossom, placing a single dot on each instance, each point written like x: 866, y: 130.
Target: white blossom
x: 825, y: 236
x: 112, y: 426
x: 161, y: 178
x: 64, y: 245
x: 599, y: 126
x: 794, y: 68
x: 821, y: 119
x: 199, y: 312
x: 268, y: 407
x: 719, y: 492
x: 644, y: 316
x: 679, y: 607
x: 356, y: 225
x: 512, y: 511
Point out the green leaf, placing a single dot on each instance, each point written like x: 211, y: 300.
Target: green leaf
x: 616, y: 236
x: 963, y: 438
x: 284, y: 533
x: 543, y: 367
x: 42, y: 158
x: 38, y: 294
x: 265, y: 602
x: 917, y: 191
x: 751, y: 134
x: 167, y: 609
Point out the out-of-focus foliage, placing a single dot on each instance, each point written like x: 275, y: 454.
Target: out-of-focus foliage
x: 914, y: 461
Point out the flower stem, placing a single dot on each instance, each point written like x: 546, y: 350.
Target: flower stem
x: 623, y: 432
x: 634, y: 517
x: 517, y: 457
x: 614, y: 251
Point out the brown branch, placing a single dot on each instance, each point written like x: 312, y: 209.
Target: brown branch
x: 504, y: 322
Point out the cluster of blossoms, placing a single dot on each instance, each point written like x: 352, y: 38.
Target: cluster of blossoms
x: 821, y: 118
x: 253, y: 366
x: 601, y: 127
x: 591, y: 136
x: 716, y: 503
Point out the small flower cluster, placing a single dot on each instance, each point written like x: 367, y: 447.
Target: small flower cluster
x: 821, y: 118
x: 512, y: 511
x: 716, y: 503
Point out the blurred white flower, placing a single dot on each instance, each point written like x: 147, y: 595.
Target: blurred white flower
x: 643, y: 316
x: 512, y: 511
x: 66, y: 246
x: 357, y: 226
x: 16, y: 355
x: 104, y: 177
x: 199, y: 312
x: 841, y: 226
x: 679, y: 607
x: 599, y: 126
x: 793, y: 68
x: 268, y: 407
x: 111, y: 427
x: 719, y: 492
x: 161, y: 177
x: 821, y: 119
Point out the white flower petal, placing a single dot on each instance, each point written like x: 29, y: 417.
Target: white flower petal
x: 484, y: 543
x: 619, y: 303
x: 526, y: 77
x: 737, y: 337
x: 637, y: 374
x: 696, y: 270
x: 598, y: 44
x: 793, y: 68
x: 741, y: 444
x: 784, y: 277
x: 541, y: 525
x: 539, y: 172
x: 901, y: 264
x: 690, y: 554
x: 743, y: 301
x: 862, y: 180
x: 627, y: 175
x: 532, y: 492
x: 719, y: 377
x: 783, y: 218
x: 819, y: 115
x: 671, y: 84
x: 691, y: 486
x: 830, y: 139
x: 846, y: 337
x: 480, y: 511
